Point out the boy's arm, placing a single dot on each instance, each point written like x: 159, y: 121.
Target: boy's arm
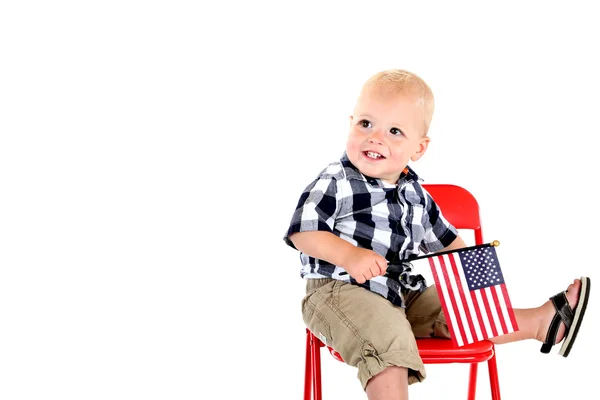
x: 324, y: 246
x: 456, y: 244
x: 361, y: 264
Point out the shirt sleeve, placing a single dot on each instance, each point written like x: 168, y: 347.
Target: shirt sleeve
x: 317, y: 208
x: 439, y: 233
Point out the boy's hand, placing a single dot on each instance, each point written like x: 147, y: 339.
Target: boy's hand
x: 363, y: 264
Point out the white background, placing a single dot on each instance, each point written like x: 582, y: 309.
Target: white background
x: 152, y: 153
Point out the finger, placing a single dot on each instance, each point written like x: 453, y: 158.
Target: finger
x: 382, y: 266
x: 374, y: 271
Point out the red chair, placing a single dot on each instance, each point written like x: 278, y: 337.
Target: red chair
x: 462, y: 210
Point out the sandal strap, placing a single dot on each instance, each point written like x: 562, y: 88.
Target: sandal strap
x: 551, y: 335
x: 563, y: 309
x: 564, y: 314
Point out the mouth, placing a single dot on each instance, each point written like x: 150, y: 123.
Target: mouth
x: 372, y: 155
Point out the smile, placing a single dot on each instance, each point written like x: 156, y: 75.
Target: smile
x: 372, y: 155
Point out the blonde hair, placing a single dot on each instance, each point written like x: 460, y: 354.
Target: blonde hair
x: 402, y: 81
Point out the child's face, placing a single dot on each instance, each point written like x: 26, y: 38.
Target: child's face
x: 386, y: 131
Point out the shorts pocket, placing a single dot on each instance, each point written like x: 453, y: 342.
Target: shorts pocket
x: 315, y: 321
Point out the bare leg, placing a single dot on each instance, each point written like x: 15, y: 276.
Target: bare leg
x: 534, y: 322
x: 389, y: 384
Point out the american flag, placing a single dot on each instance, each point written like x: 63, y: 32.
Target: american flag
x: 473, y: 293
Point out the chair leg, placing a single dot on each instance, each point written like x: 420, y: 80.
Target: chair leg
x: 308, y: 368
x: 472, y: 381
x: 316, y: 368
x: 494, y: 382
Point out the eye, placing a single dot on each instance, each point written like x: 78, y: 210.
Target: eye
x: 395, y: 131
x: 365, y: 123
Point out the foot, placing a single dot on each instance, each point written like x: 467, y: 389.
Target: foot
x: 548, y: 311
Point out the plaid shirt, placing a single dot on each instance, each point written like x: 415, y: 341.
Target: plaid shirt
x: 400, y: 222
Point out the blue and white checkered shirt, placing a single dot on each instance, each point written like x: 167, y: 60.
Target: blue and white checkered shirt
x: 400, y: 222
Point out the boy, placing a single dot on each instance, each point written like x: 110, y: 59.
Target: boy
x: 368, y: 209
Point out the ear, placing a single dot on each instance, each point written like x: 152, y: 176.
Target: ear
x: 423, y: 144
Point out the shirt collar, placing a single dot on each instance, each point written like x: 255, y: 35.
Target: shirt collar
x: 407, y: 176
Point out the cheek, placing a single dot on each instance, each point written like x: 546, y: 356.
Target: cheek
x: 400, y: 155
x: 353, y: 142
x: 397, y: 151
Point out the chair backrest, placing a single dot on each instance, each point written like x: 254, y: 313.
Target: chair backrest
x: 458, y: 206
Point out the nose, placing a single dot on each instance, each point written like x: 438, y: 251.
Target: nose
x: 376, y: 137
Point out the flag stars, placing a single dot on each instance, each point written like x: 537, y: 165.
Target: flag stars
x: 481, y: 268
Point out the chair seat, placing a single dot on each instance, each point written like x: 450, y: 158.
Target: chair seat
x: 442, y: 351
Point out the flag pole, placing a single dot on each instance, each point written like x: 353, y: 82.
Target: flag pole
x: 495, y: 243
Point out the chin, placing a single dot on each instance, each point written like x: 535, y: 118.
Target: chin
x: 370, y: 172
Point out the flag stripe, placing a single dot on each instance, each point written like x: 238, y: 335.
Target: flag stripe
x: 474, y: 315
x: 455, y: 304
x: 504, y: 309
x: 499, y: 310
x: 459, y: 297
x: 494, y: 310
x: 486, y: 304
x: 484, y: 316
x: 511, y: 313
x: 443, y: 295
x: 466, y: 316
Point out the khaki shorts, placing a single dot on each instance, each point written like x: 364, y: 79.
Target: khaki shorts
x: 370, y: 332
